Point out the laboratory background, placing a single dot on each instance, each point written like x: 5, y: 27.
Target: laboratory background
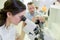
x: 50, y: 28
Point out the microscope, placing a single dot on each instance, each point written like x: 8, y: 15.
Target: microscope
x: 32, y: 29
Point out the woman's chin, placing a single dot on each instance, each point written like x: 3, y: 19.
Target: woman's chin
x: 16, y: 23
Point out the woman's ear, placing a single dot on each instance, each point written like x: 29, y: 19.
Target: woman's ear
x: 9, y: 14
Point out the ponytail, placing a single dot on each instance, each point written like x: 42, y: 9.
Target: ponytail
x: 3, y: 17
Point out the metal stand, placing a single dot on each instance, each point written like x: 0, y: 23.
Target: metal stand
x: 40, y: 24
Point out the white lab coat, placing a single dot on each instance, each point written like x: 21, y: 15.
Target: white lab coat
x: 7, y: 34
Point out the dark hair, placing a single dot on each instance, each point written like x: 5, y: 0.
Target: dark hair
x: 30, y: 3
x: 36, y: 7
x: 13, y: 6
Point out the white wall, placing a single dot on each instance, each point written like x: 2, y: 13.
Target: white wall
x: 41, y: 3
x: 26, y: 1
x: 2, y: 3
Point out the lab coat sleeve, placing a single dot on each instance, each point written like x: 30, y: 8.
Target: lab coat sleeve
x: 0, y: 37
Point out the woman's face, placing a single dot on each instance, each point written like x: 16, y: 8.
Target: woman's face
x: 15, y: 19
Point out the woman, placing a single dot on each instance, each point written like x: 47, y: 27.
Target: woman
x: 9, y: 15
